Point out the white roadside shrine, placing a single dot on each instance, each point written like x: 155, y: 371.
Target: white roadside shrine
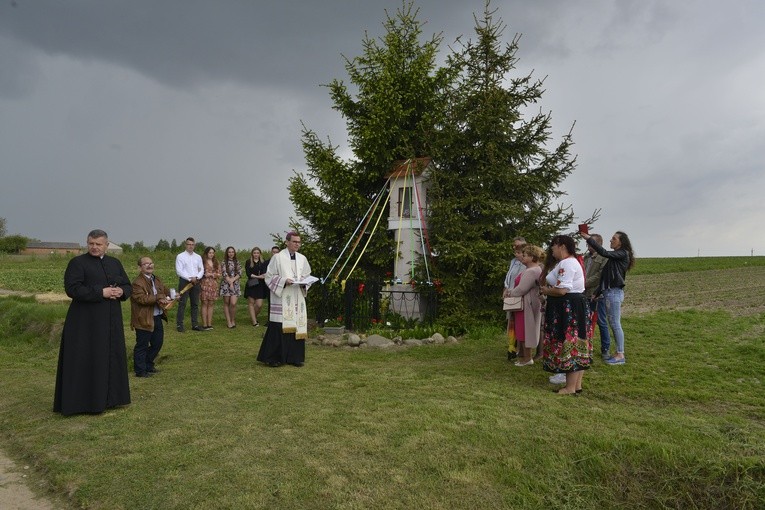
x: 407, y: 219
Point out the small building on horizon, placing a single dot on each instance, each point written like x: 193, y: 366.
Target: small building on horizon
x: 48, y: 248
x: 55, y: 248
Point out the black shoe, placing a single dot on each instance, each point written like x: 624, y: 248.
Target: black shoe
x: 145, y: 374
x: 274, y: 364
x: 180, y: 329
x: 298, y: 364
x: 152, y: 370
x: 511, y: 355
x: 196, y: 328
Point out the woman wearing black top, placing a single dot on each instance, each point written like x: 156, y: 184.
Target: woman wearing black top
x: 619, y: 260
x: 256, y: 289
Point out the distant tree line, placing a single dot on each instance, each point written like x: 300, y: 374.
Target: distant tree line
x: 163, y: 245
x: 13, y: 243
x: 16, y: 243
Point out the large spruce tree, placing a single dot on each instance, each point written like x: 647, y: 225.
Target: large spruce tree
x: 495, y: 177
x: 395, y: 100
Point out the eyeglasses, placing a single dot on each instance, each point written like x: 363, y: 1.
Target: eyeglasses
x: 147, y: 264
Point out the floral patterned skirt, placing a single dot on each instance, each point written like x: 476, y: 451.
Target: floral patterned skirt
x: 567, y: 343
x: 229, y: 290
x: 209, y: 289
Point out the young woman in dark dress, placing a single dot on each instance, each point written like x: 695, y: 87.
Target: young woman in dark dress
x: 255, y: 290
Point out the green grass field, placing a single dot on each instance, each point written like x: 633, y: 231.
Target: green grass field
x: 682, y: 425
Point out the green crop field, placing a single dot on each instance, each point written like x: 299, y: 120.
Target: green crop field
x: 681, y: 425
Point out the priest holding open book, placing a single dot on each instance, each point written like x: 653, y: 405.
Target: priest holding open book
x: 288, y: 278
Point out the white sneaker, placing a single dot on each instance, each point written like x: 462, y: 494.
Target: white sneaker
x: 558, y: 379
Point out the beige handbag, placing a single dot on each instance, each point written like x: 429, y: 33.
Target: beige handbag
x: 513, y: 304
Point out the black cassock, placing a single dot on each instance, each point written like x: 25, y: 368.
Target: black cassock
x: 92, y: 363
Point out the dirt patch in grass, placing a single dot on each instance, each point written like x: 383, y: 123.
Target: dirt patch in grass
x: 14, y: 490
x: 740, y: 291
x: 52, y: 297
x: 44, y: 297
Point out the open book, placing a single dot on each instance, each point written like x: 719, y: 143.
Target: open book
x: 308, y: 280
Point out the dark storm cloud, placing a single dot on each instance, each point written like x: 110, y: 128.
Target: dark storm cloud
x: 200, y: 104
x: 184, y: 43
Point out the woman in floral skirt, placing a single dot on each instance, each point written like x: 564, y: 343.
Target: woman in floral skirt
x: 567, y: 344
x: 209, y: 286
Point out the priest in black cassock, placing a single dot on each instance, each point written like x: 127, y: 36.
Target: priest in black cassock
x: 92, y: 362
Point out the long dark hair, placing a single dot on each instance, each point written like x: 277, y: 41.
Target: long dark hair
x: 226, y: 260
x: 549, y: 263
x: 627, y: 245
x: 214, y: 259
x: 564, y: 240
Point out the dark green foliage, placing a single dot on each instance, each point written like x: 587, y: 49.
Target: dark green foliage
x: 391, y: 116
x: 495, y: 178
x: 13, y: 244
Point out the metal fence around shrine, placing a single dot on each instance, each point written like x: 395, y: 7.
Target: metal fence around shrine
x: 362, y: 304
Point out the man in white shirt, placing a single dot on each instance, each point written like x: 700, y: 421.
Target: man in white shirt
x: 189, y: 268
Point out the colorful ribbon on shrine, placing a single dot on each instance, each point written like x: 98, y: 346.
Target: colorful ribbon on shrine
x: 371, y: 234
x: 365, y: 221
x: 361, y: 228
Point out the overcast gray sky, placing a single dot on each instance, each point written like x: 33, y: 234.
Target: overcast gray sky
x: 163, y: 119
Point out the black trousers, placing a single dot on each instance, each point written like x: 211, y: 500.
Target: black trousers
x: 193, y: 294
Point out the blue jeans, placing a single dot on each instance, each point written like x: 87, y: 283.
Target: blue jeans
x: 605, y: 338
x: 147, y: 346
x: 612, y: 299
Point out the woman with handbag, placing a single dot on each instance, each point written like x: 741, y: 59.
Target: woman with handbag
x: 256, y: 290
x: 528, y: 320
x: 567, y: 347
x: 516, y: 268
